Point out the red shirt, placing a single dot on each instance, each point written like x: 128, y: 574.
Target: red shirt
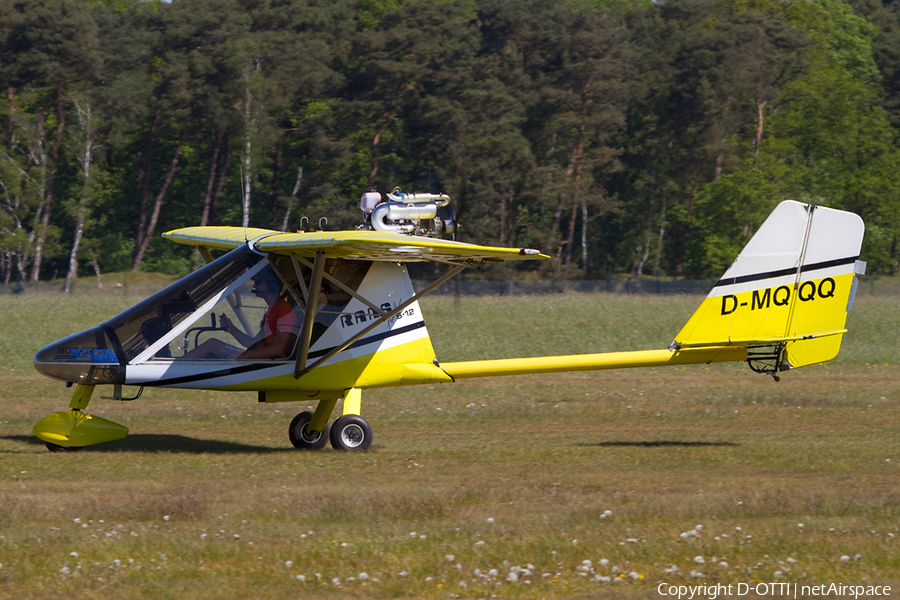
x: 281, y: 316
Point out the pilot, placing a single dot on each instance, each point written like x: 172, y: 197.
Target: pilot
x: 276, y: 336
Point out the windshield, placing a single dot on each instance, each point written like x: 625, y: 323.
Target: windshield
x: 145, y: 323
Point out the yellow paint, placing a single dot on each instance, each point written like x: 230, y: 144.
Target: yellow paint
x: 352, y: 401
x: 273, y: 396
x: 323, y: 411
x: 368, y: 245
x: 594, y: 362
x: 74, y: 428
x: 772, y: 314
x: 82, y: 396
x: 406, y: 364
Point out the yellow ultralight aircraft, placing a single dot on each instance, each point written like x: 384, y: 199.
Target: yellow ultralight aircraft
x: 320, y: 316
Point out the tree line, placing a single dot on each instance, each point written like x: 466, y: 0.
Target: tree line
x: 618, y: 136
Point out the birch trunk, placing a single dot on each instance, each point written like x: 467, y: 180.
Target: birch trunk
x: 48, y: 199
x: 157, y: 207
x: 213, y: 170
x: 145, y: 184
x: 759, y: 126
x: 290, y: 206
x: 84, y: 120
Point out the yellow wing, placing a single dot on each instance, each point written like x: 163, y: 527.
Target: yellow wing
x: 361, y: 245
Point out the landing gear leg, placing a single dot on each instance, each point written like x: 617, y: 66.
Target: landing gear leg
x: 350, y: 432
x: 302, y: 437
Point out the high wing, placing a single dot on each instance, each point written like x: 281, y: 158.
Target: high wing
x: 359, y: 245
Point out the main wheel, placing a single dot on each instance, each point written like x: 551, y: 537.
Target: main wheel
x: 302, y: 437
x: 351, y: 432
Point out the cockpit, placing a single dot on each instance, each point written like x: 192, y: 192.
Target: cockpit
x: 241, y: 307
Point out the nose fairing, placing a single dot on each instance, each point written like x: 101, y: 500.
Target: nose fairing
x: 86, y: 357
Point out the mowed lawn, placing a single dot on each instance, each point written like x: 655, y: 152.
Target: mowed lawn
x: 555, y: 486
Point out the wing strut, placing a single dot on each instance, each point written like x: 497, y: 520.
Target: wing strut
x: 312, y: 302
x: 299, y: 371
x: 340, y: 284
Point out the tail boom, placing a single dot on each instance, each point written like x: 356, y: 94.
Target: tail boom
x: 594, y: 362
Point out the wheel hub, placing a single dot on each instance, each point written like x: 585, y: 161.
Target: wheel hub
x: 353, y: 435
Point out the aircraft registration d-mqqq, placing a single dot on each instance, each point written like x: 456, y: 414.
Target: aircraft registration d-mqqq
x: 320, y: 316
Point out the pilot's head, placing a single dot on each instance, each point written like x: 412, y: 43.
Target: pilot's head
x: 265, y: 284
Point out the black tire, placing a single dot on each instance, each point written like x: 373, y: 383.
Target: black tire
x: 351, y: 433
x: 302, y: 438
x: 58, y: 448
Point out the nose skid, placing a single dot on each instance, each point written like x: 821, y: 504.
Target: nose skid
x: 87, y: 357
x: 75, y: 429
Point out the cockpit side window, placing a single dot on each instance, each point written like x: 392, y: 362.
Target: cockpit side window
x: 259, y: 320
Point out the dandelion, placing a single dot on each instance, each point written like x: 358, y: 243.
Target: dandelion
x: 845, y: 558
x: 301, y: 578
x: 586, y: 563
x: 490, y: 520
x: 403, y: 573
x: 857, y: 557
x: 479, y: 543
x: 493, y: 573
x: 604, y: 562
x: 73, y: 554
x: 203, y: 536
x: 412, y: 534
x: 450, y: 557
x: 513, y: 577
x: 791, y: 560
x: 699, y: 527
x: 336, y: 581
x: 166, y: 518
x: 778, y: 574
x: 288, y: 563
x: 723, y: 564
x: 65, y: 570
x: 422, y: 537
x: 634, y: 575
x: 574, y: 542
x: 363, y: 576
x: 699, y: 560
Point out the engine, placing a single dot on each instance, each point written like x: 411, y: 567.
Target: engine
x: 428, y: 215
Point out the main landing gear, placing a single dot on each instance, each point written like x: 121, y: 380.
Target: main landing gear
x: 349, y: 432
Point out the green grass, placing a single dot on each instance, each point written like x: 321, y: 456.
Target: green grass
x: 542, y: 457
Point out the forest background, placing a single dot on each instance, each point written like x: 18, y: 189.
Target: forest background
x: 618, y: 136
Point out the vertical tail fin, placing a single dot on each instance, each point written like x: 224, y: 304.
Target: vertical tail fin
x: 787, y: 294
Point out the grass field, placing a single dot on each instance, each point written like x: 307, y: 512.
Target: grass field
x: 563, y: 486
